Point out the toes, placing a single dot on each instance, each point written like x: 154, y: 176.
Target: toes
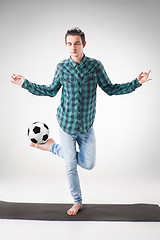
x: 33, y: 145
x: 71, y: 212
x: 68, y: 212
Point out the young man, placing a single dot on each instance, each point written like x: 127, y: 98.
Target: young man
x: 78, y: 76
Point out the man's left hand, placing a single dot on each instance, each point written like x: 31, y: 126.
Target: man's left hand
x: 143, y: 77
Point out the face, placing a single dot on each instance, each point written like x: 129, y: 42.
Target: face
x: 75, y: 46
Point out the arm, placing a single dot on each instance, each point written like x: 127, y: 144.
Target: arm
x: 117, y: 89
x: 40, y: 90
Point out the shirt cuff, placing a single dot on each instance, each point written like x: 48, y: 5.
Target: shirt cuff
x: 25, y: 84
x: 137, y: 84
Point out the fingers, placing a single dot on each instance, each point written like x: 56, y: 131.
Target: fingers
x: 148, y: 73
x: 140, y: 74
x: 13, y: 82
x: 144, y: 74
x: 13, y: 79
x: 14, y: 76
x: 148, y: 79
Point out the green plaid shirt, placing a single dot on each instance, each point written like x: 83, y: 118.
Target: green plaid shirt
x: 78, y: 99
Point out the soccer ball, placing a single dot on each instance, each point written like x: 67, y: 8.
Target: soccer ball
x: 38, y: 132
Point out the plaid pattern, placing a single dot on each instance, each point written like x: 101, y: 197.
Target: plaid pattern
x: 78, y: 100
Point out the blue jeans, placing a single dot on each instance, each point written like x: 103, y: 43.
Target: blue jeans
x: 85, y: 157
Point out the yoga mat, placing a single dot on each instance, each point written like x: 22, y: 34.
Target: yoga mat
x: 90, y: 212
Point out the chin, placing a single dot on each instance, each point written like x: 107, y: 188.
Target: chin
x: 75, y: 54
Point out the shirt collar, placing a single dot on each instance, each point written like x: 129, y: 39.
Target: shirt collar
x: 78, y: 64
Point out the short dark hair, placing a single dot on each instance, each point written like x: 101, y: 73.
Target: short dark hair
x: 75, y: 31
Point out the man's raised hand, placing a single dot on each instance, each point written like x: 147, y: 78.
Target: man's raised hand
x: 143, y: 77
x: 17, y: 79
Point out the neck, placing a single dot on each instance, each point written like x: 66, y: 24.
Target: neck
x: 77, y: 59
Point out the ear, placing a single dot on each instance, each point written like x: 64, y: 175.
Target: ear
x: 84, y: 44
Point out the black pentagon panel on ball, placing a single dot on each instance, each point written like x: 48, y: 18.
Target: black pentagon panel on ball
x: 36, y: 129
x: 45, y: 137
x: 45, y: 126
x: 34, y: 140
x: 28, y: 131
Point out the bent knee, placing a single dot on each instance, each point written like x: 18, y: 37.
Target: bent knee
x: 87, y: 162
x: 90, y: 165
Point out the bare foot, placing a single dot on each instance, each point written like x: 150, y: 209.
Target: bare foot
x: 46, y: 146
x: 74, y: 209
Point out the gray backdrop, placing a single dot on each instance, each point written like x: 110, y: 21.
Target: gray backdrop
x: 124, y: 36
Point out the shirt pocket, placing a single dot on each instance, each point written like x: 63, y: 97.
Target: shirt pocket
x: 69, y: 84
x: 89, y: 77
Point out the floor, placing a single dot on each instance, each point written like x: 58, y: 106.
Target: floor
x: 28, y: 230
x: 117, y: 191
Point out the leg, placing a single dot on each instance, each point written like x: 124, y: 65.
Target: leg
x: 87, y: 145
x: 56, y: 149
x: 69, y: 149
x: 68, y: 143
x: 85, y: 158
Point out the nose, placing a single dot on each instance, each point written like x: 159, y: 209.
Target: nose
x: 73, y: 46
